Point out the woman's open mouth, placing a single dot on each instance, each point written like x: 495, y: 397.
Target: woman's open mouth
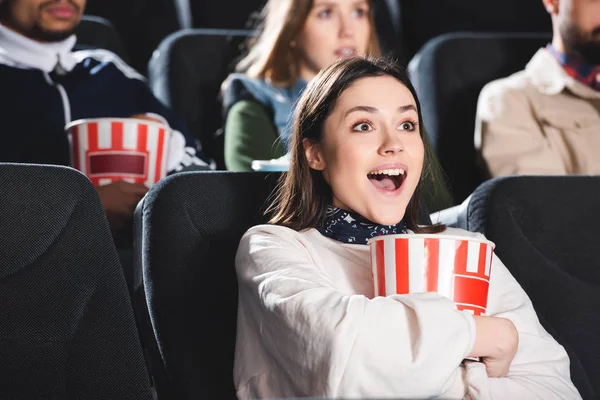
x: 345, y: 52
x: 387, y: 179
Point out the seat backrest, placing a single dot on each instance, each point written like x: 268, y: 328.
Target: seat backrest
x: 141, y: 23
x: 449, y: 73
x: 98, y: 33
x: 186, y: 72
x: 218, y: 15
x: 423, y: 20
x: 67, y: 329
x: 188, y: 228
x: 386, y: 15
x: 546, y: 233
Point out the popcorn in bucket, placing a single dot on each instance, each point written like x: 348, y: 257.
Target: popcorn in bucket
x: 107, y: 150
x: 457, y: 267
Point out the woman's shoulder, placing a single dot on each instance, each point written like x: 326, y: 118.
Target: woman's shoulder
x: 240, y: 86
x: 243, y: 79
x: 267, y: 242
x: 280, y: 236
x: 270, y: 229
x: 271, y: 233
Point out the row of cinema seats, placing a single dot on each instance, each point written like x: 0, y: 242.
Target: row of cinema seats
x: 188, y: 67
x: 67, y: 327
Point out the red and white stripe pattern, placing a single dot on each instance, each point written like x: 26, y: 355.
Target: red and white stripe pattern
x: 456, y: 268
x: 110, y: 150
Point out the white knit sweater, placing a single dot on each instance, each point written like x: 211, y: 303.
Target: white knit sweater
x: 308, y: 325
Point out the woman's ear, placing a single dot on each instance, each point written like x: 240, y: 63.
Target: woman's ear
x: 314, y: 155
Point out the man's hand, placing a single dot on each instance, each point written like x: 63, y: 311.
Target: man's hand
x: 119, y: 200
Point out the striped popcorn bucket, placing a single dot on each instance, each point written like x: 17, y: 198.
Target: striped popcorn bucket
x: 107, y: 150
x: 457, y: 267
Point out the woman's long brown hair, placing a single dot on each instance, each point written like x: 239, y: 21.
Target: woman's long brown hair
x: 271, y: 55
x: 301, y: 199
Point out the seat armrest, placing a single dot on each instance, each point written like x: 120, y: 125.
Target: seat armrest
x: 453, y: 217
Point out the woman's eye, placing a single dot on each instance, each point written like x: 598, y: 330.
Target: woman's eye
x: 407, y: 126
x: 362, y: 127
x: 360, y: 12
x: 326, y: 13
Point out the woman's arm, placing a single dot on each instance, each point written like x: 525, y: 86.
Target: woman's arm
x: 540, y: 369
x: 249, y: 135
x: 337, y: 345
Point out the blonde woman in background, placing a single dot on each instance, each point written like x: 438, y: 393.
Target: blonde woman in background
x: 296, y: 39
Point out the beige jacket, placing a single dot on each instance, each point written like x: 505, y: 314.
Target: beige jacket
x: 539, y: 121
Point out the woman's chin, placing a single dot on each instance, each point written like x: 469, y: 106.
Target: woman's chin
x: 383, y: 218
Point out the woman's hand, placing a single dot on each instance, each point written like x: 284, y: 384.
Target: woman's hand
x: 496, y: 344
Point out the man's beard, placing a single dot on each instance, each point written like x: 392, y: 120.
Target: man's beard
x: 582, y: 44
x: 38, y: 33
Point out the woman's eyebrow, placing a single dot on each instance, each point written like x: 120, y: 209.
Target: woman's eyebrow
x: 406, y: 108
x: 325, y: 3
x: 374, y: 110
x: 318, y: 3
x: 368, y: 109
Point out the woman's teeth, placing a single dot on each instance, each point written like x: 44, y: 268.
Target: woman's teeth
x: 388, y: 179
x: 345, y: 52
x: 391, y: 172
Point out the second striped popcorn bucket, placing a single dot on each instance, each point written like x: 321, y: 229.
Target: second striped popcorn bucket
x: 457, y: 267
x: 107, y: 150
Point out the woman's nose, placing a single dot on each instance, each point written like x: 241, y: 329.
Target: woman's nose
x: 391, y: 144
x: 346, y: 26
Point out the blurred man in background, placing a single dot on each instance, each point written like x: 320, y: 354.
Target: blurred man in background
x: 546, y: 119
x: 45, y: 85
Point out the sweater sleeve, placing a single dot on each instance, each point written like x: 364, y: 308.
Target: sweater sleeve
x: 337, y: 345
x: 540, y: 369
x: 249, y: 135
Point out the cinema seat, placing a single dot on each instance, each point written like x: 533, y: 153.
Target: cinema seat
x: 449, y: 73
x: 187, y: 231
x: 98, y: 33
x: 546, y: 233
x: 67, y: 329
x: 186, y: 72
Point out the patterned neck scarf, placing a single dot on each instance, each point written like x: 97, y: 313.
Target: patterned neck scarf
x: 587, y: 74
x: 350, y: 227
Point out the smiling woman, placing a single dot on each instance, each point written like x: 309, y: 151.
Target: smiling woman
x: 309, y: 323
x: 297, y: 38
x: 363, y: 150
